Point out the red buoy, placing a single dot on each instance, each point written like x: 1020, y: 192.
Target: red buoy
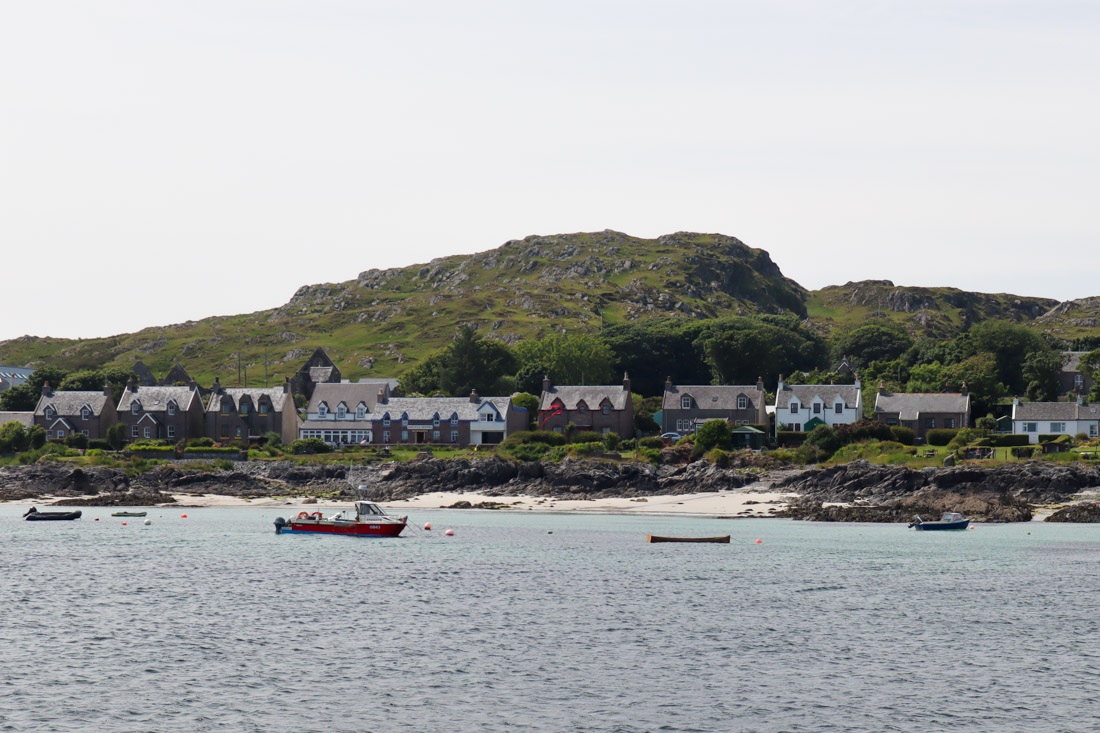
x: 428, y: 525
x: 450, y: 533
x: 183, y: 516
x: 124, y: 524
x: 759, y: 541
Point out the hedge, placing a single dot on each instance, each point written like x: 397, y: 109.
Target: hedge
x: 652, y: 443
x: 1054, y: 438
x: 942, y: 436
x: 547, y: 437
x: 1008, y: 441
x: 788, y: 438
x: 903, y: 435
x: 586, y: 436
x: 210, y: 449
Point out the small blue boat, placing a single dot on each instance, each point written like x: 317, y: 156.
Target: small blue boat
x: 951, y: 520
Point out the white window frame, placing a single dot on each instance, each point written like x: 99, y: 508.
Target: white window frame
x: 385, y: 436
x: 322, y: 410
x: 1057, y: 427
x: 341, y: 411
x: 435, y: 435
x: 133, y: 431
x: 85, y: 413
x: 386, y: 421
x: 404, y: 436
x: 685, y: 402
x: 146, y: 432
x: 454, y: 436
x: 50, y: 413
x: 360, y: 411
x: 171, y: 408
x: 60, y: 434
x: 135, y: 408
x: 171, y: 431
x: 84, y: 433
x: 1031, y: 427
x: 742, y: 402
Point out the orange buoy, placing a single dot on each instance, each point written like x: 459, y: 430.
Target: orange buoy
x: 97, y: 519
x: 183, y: 516
x: 450, y: 533
x: 428, y: 525
x: 124, y: 524
x: 759, y: 542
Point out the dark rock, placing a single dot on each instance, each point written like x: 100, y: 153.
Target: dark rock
x: 1083, y: 512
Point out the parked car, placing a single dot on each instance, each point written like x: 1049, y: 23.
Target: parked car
x: 670, y: 438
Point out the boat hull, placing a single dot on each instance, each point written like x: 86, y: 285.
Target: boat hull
x: 129, y: 514
x: 717, y: 540
x: 347, y: 529
x: 931, y: 526
x: 52, y: 516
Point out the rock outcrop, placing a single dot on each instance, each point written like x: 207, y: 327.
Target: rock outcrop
x: 1084, y: 512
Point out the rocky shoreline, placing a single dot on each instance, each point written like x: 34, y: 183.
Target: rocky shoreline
x: 857, y: 491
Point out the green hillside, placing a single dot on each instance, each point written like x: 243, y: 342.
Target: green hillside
x: 385, y: 320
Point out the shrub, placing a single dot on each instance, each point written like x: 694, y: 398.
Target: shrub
x: 903, y: 435
x: 718, y: 457
x: 940, y: 437
x: 271, y: 439
x: 36, y: 437
x: 223, y: 464
x: 628, y: 444
x: 1023, y: 452
x: 13, y: 438
x: 116, y: 436
x: 200, y: 443
x: 824, y: 438
x: 652, y: 443
x: 546, y: 437
x: 790, y: 438
x: 586, y: 449
x: 1007, y: 441
x: 586, y: 436
x: 1054, y: 438
x: 529, y: 451
x: 714, y: 434
x: 650, y: 454
x: 95, y: 452
x: 611, y: 441
x: 309, y: 445
x: 864, y: 430
x: 211, y: 449
x: 99, y: 445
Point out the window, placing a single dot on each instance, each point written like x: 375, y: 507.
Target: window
x: 488, y: 417
x: 435, y: 424
x: 1092, y: 430
x: 322, y: 410
x: 385, y: 436
x: 225, y: 406
x: 1031, y: 427
x: 1078, y: 381
x: 135, y: 408
x: 930, y: 423
x: 49, y: 434
x: 133, y: 431
x: 454, y: 421
x: 606, y: 409
x: 742, y: 402
x: 405, y: 436
x: 147, y: 433
x: 244, y: 409
x: 891, y: 421
x: 360, y: 411
x: 839, y: 408
x: 225, y: 431
x: 685, y: 402
x: 558, y: 430
x: 794, y: 407
x: 171, y: 408
x: 263, y: 408
x: 386, y: 421
x: 454, y: 436
x: 605, y: 431
x: 581, y: 408
x: 50, y: 412
x: 817, y: 408
x: 84, y: 433
x: 949, y: 422
x: 171, y: 431
x: 341, y: 411
x: 85, y: 413
x: 404, y: 421
x: 1057, y: 427
x: 797, y: 427
x: 238, y: 432
x: 435, y: 435
x: 60, y: 433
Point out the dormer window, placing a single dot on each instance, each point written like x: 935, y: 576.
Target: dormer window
x: 606, y: 409
x: 454, y: 419
x: 135, y: 408
x: 244, y: 409
x: 581, y: 408
x: 435, y: 421
x: 50, y: 412
x: 839, y: 407
x: 405, y: 420
x: 360, y: 411
x: 817, y: 408
x: 685, y: 402
x: 171, y: 408
x: 794, y: 407
x: 225, y: 405
x: 341, y: 411
x: 322, y: 410
x: 85, y: 413
x: 263, y: 408
x: 488, y: 417
x: 386, y: 420
x: 742, y: 402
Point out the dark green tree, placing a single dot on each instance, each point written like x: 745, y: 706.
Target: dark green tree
x: 24, y: 398
x: 530, y: 403
x: 869, y: 343
x: 1009, y: 343
x: 468, y: 363
x: 1042, y: 370
x: 714, y: 434
x: 567, y: 359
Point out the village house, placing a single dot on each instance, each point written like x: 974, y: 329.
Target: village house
x: 246, y: 413
x: 922, y: 412
x: 805, y: 406
x: 13, y: 377
x: 1071, y: 379
x: 26, y: 419
x: 318, y: 369
x: 603, y: 409
x: 161, y: 413
x: 66, y: 413
x: 342, y: 414
x: 1055, y: 418
x: 685, y: 407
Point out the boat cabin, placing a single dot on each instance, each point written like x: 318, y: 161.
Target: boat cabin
x: 952, y: 517
x: 368, y: 509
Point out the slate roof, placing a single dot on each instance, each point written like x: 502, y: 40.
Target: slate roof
x: 234, y: 394
x: 320, y: 374
x: 1074, y: 363
x: 70, y: 402
x: 155, y: 399
x: 425, y: 408
x: 593, y: 397
x: 910, y: 405
x: 350, y: 393
x: 4, y: 384
x: 710, y: 397
x: 1055, y: 411
x: 177, y: 374
x: 144, y: 375
x: 15, y: 376
x: 26, y: 419
x: 805, y: 393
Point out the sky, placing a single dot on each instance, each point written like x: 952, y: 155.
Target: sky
x: 168, y: 161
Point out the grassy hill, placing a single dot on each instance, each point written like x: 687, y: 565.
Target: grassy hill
x: 384, y: 320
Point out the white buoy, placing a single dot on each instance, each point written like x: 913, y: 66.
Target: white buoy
x: 148, y: 522
x: 450, y: 533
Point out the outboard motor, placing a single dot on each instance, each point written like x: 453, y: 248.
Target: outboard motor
x: 32, y: 510
x: 279, y: 524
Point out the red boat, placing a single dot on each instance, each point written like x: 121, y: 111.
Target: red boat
x: 366, y: 520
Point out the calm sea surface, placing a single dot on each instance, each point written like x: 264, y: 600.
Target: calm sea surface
x: 216, y: 623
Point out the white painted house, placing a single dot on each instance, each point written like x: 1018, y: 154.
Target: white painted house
x: 1055, y: 418
x: 805, y: 406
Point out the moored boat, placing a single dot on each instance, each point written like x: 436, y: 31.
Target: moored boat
x: 654, y: 538
x: 33, y: 515
x: 365, y: 519
x: 951, y: 520
x: 128, y: 514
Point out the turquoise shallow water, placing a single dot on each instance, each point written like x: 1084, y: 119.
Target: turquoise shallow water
x: 216, y: 623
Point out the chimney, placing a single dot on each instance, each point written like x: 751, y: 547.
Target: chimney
x: 217, y: 388
x: 46, y: 389
x: 779, y: 386
x: 546, y: 384
x: 473, y: 396
x: 760, y: 383
x: 130, y: 386
x: 881, y: 387
x: 106, y: 389
x: 192, y: 384
x: 1080, y: 399
x: 1015, y: 401
x: 856, y: 385
x: 668, y: 384
x: 381, y: 397
x: 286, y: 385
x: 626, y: 382
x: 964, y: 390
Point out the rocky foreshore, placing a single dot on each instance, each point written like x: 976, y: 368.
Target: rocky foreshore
x: 857, y: 491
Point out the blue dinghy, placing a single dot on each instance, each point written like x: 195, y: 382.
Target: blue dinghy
x: 951, y: 520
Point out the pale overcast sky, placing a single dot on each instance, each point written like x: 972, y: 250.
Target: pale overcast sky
x: 165, y: 161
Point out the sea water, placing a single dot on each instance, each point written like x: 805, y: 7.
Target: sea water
x: 556, y: 622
